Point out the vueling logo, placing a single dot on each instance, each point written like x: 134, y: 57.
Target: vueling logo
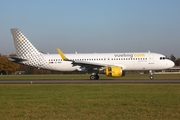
x: 20, y: 38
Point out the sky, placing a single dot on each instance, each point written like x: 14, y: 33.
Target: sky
x: 93, y: 26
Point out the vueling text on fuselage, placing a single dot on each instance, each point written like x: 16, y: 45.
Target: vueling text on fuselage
x: 129, y: 55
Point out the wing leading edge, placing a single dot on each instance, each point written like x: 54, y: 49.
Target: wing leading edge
x: 81, y: 63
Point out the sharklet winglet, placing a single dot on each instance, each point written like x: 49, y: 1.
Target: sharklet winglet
x: 62, y: 55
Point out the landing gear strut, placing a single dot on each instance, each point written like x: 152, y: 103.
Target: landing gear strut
x: 151, y: 75
x: 94, y: 76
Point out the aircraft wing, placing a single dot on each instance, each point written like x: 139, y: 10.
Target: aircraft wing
x: 82, y: 63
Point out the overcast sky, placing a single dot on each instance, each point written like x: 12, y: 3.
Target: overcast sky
x: 89, y: 26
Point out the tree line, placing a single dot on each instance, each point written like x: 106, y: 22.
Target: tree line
x: 8, y: 67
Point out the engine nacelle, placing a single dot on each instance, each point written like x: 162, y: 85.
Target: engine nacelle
x: 114, y: 71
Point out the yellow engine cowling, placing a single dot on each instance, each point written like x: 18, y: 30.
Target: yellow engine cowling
x: 114, y: 71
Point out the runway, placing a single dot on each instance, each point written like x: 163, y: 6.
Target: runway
x: 172, y: 81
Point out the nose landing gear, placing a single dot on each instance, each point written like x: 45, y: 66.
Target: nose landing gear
x: 151, y: 75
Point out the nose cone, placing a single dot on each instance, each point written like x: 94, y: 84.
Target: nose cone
x: 170, y: 64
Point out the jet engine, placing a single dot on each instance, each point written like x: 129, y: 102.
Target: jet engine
x: 114, y: 71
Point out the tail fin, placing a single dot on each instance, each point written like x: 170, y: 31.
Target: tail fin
x: 23, y: 46
x: 26, y: 53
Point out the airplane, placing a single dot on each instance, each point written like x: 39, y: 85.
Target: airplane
x: 111, y: 64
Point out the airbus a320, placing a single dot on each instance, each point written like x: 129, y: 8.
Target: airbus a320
x: 112, y: 64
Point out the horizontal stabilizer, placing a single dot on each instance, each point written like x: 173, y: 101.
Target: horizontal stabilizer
x: 16, y: 59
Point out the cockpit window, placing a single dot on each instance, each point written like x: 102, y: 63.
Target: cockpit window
x: 162, y: 58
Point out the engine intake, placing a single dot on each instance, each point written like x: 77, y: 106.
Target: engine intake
x: 114, y: 71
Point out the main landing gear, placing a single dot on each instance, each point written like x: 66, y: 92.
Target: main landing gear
x: 94, y: 76
x: 151, y: 75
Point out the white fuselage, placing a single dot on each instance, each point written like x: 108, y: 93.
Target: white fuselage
x: 128, y: 61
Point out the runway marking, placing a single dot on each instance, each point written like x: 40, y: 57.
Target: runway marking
x: 173, y: 81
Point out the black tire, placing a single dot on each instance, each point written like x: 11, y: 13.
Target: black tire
x: 92, y: 77
x: 151, y: 77
x: 97, y: 77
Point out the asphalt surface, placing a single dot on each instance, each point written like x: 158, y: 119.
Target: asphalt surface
x: 175, y: 81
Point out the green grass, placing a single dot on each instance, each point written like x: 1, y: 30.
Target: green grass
x: 85, y: 76
x: 90, y: 102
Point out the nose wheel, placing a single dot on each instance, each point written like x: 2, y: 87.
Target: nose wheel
x: 151, y: 75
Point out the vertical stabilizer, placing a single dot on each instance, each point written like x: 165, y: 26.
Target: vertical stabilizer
x: 23, y: 46
x: 26, y: 53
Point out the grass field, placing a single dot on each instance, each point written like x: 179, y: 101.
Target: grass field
x: 85, y: 76
x: 90, y: 102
